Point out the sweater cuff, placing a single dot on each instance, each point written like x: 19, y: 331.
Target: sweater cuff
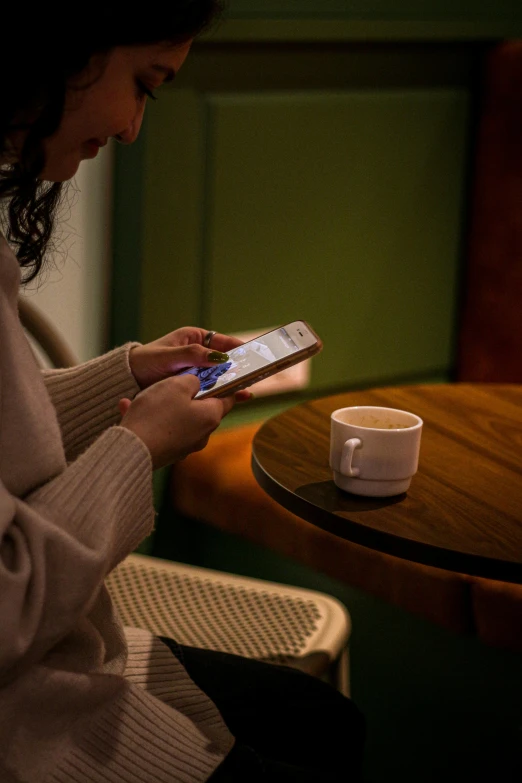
x: 86, y: 397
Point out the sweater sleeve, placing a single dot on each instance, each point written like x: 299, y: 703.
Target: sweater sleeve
x: 58, y: 543
x: 86, y: 397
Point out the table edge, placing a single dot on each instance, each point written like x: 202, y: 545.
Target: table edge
x: 402, y: 548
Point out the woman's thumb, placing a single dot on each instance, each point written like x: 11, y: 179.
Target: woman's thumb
x: 123, y: 406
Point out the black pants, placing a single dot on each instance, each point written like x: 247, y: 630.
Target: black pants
x: 290, y: 727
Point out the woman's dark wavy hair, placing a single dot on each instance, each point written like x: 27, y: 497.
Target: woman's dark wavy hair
x: 41, y: 51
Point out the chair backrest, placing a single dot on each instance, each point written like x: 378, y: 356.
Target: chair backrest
x: 44, y: 335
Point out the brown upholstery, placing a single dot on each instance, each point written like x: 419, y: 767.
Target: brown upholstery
x: 497, y: 608
x: 490, y: 337
x: 217, y: 485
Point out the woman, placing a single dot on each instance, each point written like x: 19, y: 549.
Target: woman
x: 81, y: 698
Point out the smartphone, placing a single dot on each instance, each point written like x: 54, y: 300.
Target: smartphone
x: 257, y: 359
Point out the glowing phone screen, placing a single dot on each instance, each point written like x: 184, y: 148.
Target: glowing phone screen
x: 246, y: 358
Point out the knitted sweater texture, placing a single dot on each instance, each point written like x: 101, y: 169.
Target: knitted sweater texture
x: 82, y: 700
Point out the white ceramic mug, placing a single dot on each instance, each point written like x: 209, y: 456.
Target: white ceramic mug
x: 374, y: 451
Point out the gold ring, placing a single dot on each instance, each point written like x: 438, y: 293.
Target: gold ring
x: 208, y: 338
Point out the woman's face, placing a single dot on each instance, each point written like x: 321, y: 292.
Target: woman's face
x: 108, y: 99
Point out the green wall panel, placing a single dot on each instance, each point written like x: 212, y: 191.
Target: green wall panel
x: 127, y: 226
x: 315, y: 181
x: 376, y: 9
x: 172, y: 215
x: 366, y: 20
x: 344, y: 209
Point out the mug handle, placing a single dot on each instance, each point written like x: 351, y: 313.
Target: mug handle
x: 347, y: 455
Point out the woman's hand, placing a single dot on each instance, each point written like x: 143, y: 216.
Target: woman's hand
x: 177, y: 351
x: 165, y: 415
x: 170, y: 422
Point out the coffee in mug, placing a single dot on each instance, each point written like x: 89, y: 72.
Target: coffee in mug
x: 374, y: 451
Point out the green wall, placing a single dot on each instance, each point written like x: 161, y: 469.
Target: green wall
x: 470, y: 10
x: 322, y: 182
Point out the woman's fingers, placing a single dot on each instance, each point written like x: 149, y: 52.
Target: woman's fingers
x: 244, y: 395
x: 199, y: 356
x: 152, y: 363
x: 177, y: 351
x: 224, y: 343
x: 168, y: 419
x: 124, y: 405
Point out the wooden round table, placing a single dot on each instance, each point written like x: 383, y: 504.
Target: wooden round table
x: 463, y: 511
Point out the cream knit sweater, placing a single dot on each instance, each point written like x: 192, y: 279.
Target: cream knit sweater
x: 80, y: 698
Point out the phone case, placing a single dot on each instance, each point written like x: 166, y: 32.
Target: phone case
x: 277, y: 366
